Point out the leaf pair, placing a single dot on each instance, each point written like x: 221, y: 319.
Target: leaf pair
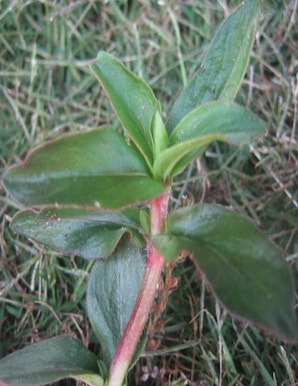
x: 218, y: 78
x: 166, y: 156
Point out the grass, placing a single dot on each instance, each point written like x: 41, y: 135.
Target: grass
x: 47, y: 89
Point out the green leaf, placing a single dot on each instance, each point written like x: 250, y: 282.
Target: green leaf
x: 212, y: 121
x: 245, y: 271
x: 174, y: 159
x: 145, y: 221
x: 94, y: 168
x: 159, y: 134
x: 235, y: 122
x: 112, y: 290
x: 90, y: 379
x: 222, y: 70
x: 49, y: 361
x: 87, y: 233
x: 132, y: 99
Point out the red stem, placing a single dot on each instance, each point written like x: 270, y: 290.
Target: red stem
x: 139, y: 316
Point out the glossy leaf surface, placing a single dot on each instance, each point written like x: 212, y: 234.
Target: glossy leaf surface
x: 95, y: 168
x: 212, y: 121
x: 87, y: 233
x: 112, y: 290
x: 131, y: 98
x: 245, y: 271
x: 223, y: 68
x: 49, y: 361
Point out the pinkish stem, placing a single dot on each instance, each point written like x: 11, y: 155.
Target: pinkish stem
x: 139, y: 316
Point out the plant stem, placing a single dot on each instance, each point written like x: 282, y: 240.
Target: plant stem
x: 139, y: 316
x: 159, y: 209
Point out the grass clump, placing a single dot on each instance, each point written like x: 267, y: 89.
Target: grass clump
x: 47, y: 89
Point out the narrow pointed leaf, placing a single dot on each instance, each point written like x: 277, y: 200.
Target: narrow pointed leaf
x: 95, y: 168
x: 245, y: 271
x: 159, y: 133
x: 174, y: 159
x: 223, y: 68
x: 49, y: 361
x: 212, y: 121
x: 112, y: 290
x: 235, y: 122
x: 87, y: 233
x: 132, y: 99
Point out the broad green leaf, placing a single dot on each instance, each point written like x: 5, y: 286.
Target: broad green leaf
x: 222, y: 70
x: 245, y: 271
x: 112, y: 290
x: 87, y: 233
x: 49, y: 361
x: 212, y: 121
x: 94, y: 168
x: 132, y: 99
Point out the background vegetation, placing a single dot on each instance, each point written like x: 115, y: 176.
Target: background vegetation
x: 47, y: 89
